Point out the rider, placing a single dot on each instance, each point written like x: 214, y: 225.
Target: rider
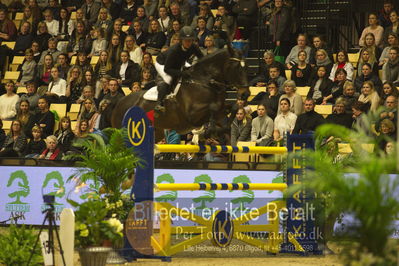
x: 169, y: 65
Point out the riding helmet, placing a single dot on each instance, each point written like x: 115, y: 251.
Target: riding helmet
x: 187, y: 33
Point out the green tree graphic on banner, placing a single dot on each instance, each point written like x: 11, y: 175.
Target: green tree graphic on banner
x: 248, y: 195
x: 170, y: 195
x: 58, y: 189
x: 24, y: 186
x: 208, y: 196
x: 277, y: 179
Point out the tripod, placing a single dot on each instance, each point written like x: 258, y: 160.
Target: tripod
x: 49, y: 216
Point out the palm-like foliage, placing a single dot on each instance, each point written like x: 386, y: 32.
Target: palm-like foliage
x: 106, y: 161
x: 359, y: 184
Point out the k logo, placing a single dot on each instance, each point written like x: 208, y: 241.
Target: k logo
x: 136, y: 131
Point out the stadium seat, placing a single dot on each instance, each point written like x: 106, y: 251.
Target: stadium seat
x: 19, y: 16
x: 214, y: 12
x: 7, y: 126
x: 17, y: 23
x: 73, y: 15
x: 60, y: 108
x: 324, y: 110
x: 245, y: 157
x: 21, y: 90
x: 74, y: 111
x: 73, y: 60
x: 16, y: 61
x: 380, y: 74
x: 126, y: 90
x: 73, y: 125
x: 94, y: 60
x: 303, y: 91
x: 11, y: 75
x: 255, y: 90
x: 10, y: 45
x: 354, y: 58
x: 288, y: 74
x: 253, y: 108
x: 125, y: 28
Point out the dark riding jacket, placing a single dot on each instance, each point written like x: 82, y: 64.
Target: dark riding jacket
x: 176, y: 57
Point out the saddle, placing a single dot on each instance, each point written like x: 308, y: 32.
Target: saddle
x: 152, y: 94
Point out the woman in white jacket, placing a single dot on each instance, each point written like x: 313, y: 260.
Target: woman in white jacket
x: 342, y: 61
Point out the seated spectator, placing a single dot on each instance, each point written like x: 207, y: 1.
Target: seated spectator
x: 224, y: 25
x: 241, y: 102
x: 126, y: 71
x: 388, y: 89
x: 8, y: 102
x: 390, y: 109
x: 274, y: 75
x: 142, y: 18
x: 270, y: 99
x: 156, y: 38
x: 79, y: 40
x: 392, y: 41
x: 369, y: 96
x: 89, y: 113
x: 116, y: 30
x: 2, y: 134
x: 342, y: 62
x: 52, y: 50
x: 8, y: 31
x: 201, y: 31
x: 308, y: 121
x: 387, y: 132
x: 128, y: 11
x: 148, y: 63
x: 52, y: 151
x: 292, y: 58
x: 301, y: 72
x: 262, y: 128
x: 390, y: 70
x: 104, y: 88
x: 339, y: 115
x: 393, y: 28
x: 180, y: 11
x: 349, y: 95
x: 103, y: 66
x: 174, y: 29
x: 367, y: 74
x: 64, y: 134
x: 371, y: 45
x: 52, y: 24
x: 63, y: 66
x: 54, y: 7
x: 31, y: 96
x: 240, y: 127
x: 42, y: 36
x: 36, y: 145
x: 322, y: 59
x: 318, y: 43
x: 44, y: 118
x: 88, y: 79
x: 138, y: 33
x: 91, y: 9
x: 83, y: 62
x: 100, y: 121
x: 104, y: 21
x: 35, y: 9
x: 27, y: 69
x: 99, y: 44
x: 74, y: 84
x: 285, y: 121
x: 204, y: 12
x: 337, y: 88
x: 43, y: 77
x: 209, y: 45
x: 24, y: 39
x: 81, y: 131
x: 163, y: 19
x: 384, y: 14
x: 113, y: 7
x: 15, y: 142
x: 80, y: 16
x: 56, y: 92
x: 28, y: 16
x: 114, y: 95
x: 88, y: 93
x: 114, y: 50
x: 24, y: 115
x: 36, y: 51
x: 66, y: 25
x: 296, y: 105
x: 136, y: 87
x: 147, y: 81
x: 268, y: 61
x: 246, y: 11
x: 135, y: 52
x: 374, y: 29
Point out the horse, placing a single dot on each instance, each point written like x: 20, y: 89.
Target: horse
x: 201, y: 97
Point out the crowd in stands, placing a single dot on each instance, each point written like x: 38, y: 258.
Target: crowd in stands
x: 92, y: 53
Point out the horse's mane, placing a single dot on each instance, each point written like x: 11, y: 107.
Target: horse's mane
x: 217, y: 56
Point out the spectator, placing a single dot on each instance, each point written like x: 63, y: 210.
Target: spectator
x: 201, y: 31
x: 15, y: 142
x: 224, y: 25
x: 337, y: 88
x: 393, y: 28
x: 342, y: 62
x: 274, y: 74
x: 8, y: 31
x: 262, y: 128
x: 36, y: 145
x: 308, y: 121
x: 114, y: 50
x: 79, y: 41
x: 24, y: 39
x: 369, y: 42
x: 128, y: 11
x: 386, y: 131
x: 246, y: 11
x: 36, y: 51
x: 384, y: 14
x: 116, y: 30
x: 52, y: 24
x: 135, y: 52
x: 292, y: 58
x: 390, y: 109
x: 280, y: 27
x: 156, y: 38
x: 27, y: 69
x: 52, y: 50
x: 206, y: 14
x: 268, y: 61
x: 369, y: 96
x: 270, y: 99
x: 295, y: 99
x: 319, y: 43
x: 43, y: 118
x: 240, y: 127
x: 392, y: 41
x: 114, y: 95
x: 82, y: 131
x: 136, y: 87
x: 285, y: 121
x: 322, y: 59
x: 99, y: 44
x: 56, y: 92
x: 142, y: 18
x: 24, y: 115
x: 301, y: 72
x: 42, y: 36
x: 63, y: 66
x: 28, y: 16
x: 2, y: 134
x: 163, y: 19
x: 359, y: 116
x: 174, y: 29
x: 90, y: 10
x: 390, y: 70
x: 88, y: 93
x: 367, y: 74
x: 104, y: 87
x: 52, y: 151
x: 126, y: 71
x: 100, y: 121
x: 64, y: 134
x: 66, y: 25
x: 8, y: 102
x: 88, y: 79
x: 31, y: 96
x: 104, y: 21
x: 367, y: 56
x: 148, y: 63
x: 147, y: 81
x: 113, y: 7
x: 74, y: 84
x: 177, y: 14
x: 35, y: 10
x: 54, y: 7
x: 373, y: 28
x: 138, y: 33
x: 349, y: 95
x: 339, y: 115
x: 89, y: 113
x: 388, y: 89
x: 83, y: 62
x: 210, y: 47
x: 103, y: 66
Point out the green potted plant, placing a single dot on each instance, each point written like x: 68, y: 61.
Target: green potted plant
x: 92, y: 228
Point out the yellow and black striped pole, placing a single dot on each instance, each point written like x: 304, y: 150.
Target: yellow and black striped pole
x: 219, y: 186
x: 219, y: 149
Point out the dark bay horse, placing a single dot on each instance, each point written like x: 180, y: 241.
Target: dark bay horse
x: 200, y: 97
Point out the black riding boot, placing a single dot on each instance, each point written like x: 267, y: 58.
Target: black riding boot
x: 163, y: 90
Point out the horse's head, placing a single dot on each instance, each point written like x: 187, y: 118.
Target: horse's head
x: 236, y: 71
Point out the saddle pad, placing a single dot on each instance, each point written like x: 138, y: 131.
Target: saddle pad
x: 152, y: 94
